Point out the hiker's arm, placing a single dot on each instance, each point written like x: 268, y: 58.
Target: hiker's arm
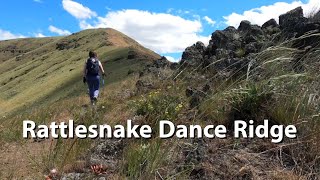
x: 101, y: 67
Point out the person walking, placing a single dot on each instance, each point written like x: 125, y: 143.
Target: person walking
x: 91, y: 76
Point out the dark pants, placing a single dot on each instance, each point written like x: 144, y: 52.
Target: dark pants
x: 93, y: 85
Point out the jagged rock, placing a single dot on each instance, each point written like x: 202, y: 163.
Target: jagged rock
x: 256, y: 30
x: 156, y: 67
x: 244, y: 26
x: 174, y: 66
x: 229, y: 50
x: 161, y: 63
x: 270, y: 24
x: 228, y: 39
x: 193, y: 55
x: 247, y: 28
x: 292, y: 21
x: 308, y: 27
x: 291, y: 18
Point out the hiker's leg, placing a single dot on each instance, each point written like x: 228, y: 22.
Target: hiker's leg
x: 90, y: 83
x: 96, y: 87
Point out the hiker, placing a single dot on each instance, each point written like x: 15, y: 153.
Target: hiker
x: 91, y: 76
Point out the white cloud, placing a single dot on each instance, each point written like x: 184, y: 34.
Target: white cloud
x: 172, y: 59
x: 161, y: 32
x: 4, y: 35
x: 209, y: 21
x: 78, y: 10
x: 59, y: 31
x: 38, y: 1
x: 262, y: 14
x: 39, y: 35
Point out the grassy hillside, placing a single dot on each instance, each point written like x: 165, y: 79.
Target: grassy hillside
x: 43, y: 70
x: 249, y: 73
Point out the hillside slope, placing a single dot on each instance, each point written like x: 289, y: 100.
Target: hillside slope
x: 42, y: 70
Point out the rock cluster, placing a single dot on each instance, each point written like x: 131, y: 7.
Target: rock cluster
x: 230, y: 50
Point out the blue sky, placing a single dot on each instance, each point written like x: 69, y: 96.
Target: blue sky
x: 165, y: 26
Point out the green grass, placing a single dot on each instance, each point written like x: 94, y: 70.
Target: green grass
x: 44, y: 74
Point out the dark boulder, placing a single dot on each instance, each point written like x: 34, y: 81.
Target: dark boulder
x: 256, y: 30
x: 270, y: 24
x: 161, y: 63
x: 193, y: 55
x: 290, y: 18
x: 228, y: 39
x: 244, y: 26
x: 292, y: 22
x: 174, y: 66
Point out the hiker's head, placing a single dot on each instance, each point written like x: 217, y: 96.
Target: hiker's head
x: 92, y: 54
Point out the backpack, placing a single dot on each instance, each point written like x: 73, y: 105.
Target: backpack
x: 92, y: 67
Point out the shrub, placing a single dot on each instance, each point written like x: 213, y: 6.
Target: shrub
x: 143, y: 159
x: 158, y: 105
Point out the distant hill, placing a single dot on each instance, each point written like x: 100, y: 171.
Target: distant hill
x: 38, y: 71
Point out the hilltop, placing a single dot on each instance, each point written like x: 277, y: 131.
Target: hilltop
x: 38, y: 71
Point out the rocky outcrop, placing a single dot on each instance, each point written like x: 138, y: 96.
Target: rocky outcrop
x: 193, y: 55
x: 230, y: 50
x: 294, y: 24
x: 292, y: 19
x: 270, y: 24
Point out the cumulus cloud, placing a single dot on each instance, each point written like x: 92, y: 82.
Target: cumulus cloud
x: 262, y: 14
x: 61, y: 32
x: 4, y: 35
x: 38, y: 1
x: 209, y: 21
x: 78, y: 10
x: 172, y: 59
x: 39, y: 35
x: 161, y: 32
